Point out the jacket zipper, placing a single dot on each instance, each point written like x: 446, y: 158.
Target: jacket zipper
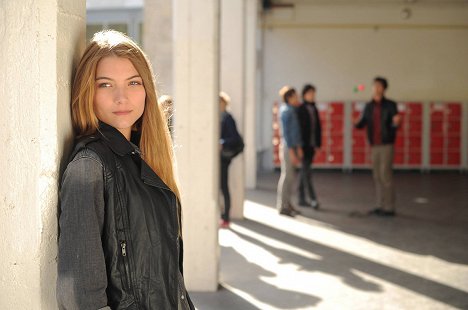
x: 123, y: 247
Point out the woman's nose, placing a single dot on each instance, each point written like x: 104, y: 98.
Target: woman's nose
x: 120, y: 95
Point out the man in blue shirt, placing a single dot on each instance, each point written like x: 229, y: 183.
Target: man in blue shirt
x: 290, y: 150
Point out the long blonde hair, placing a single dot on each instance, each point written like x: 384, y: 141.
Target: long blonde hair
x: 155, y: 142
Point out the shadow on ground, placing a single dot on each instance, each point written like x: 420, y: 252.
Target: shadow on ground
x: 342, y: 264
x: 432, y: 210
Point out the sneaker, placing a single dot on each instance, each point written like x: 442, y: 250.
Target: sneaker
x: 389, y: 213
x: 294, y: 210
x: 224, y: 224
x: 287, y: 212
x: 315, y: 204
x: 376, y: 211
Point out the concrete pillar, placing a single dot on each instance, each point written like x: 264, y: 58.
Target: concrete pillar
x: 41, y: 40
x: 157, y: 41
x: 233, y: 83
x: 196, y: 74
x: 464, y: 137
x: 250, y: 86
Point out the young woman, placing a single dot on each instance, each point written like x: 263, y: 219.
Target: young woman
x: 120, y: 244
x: 231, y: 145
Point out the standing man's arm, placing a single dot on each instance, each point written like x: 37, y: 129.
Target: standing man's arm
x: 361, y: 122
x: 288, y: 135
x: 302, y: 118
x: 396, y: 117
x: 318, y: 128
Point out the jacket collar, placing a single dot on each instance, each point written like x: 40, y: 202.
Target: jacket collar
x: 116, y: 140
x: 121, y: 146
x: 309, y: 103
x: 382, y: 101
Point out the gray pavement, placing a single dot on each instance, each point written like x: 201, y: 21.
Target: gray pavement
x: 340, y: 258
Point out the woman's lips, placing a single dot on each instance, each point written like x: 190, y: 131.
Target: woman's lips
x: 121, y: 112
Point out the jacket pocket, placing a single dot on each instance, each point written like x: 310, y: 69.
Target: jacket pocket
x: 126, y: 269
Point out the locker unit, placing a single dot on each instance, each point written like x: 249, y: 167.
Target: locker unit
x: 332, y: 120
x: 360, y: 147
x: 276, y: 139
x: 431, y: 136
x: 445, y: 134
x: 408, y: 145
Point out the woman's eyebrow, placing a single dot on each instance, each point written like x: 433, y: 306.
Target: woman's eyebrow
x: 108, y: 78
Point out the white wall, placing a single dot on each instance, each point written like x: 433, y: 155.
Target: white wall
x: 337, y: 47
x: 40, y: 43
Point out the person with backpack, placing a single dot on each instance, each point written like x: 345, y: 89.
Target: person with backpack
x: 231, y: 145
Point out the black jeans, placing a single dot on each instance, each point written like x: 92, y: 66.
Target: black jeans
x: 225, y: 187
x: 306, y: 175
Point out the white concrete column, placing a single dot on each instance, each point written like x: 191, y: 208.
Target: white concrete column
x: 196, y: 74
x: 41, y: 40
x: 250, y: 86
x: 157, y: 41
x: 233, y: 83
x: 464, y: 137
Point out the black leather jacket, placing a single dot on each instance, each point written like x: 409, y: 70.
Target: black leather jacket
x: 389, y: 110
x: 139, y: 233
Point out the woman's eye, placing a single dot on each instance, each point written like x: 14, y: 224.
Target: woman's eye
x: 135, y: 83
x: 104, y: 85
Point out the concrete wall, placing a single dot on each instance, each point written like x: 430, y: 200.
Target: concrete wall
x: 339, y: 46
x: 196, y: 71
x: 40, y: 43
x: 157, y: 41
x: 232, y: 81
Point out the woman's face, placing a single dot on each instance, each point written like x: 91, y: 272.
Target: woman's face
x: 119, y: 98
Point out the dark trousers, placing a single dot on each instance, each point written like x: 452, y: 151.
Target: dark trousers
x: 225, y: 188
x: 306, y: 183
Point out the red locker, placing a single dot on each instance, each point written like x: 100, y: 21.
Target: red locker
x: 399, y: 158
x: 445, y: 133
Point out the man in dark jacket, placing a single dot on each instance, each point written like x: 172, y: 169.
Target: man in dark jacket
x: 311, y: 132
x: 381, y: 118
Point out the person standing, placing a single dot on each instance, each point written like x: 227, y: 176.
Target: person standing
x: 382, y: 120
x: 231, y: 144
x: 311, y: 132
x: 290, y: 150
x: 120, y: 241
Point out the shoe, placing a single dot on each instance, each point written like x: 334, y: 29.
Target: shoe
x: 376, y: 211
x: 224, y: 224
x: 304, y: 203
x: 287, y: 212
x: 294, y: 210
x: 315, y: 204
x: 389, y: 213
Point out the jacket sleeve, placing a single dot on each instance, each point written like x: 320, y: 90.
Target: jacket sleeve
x: 82, y: 277
x: 301, y: 117
x: 318, y: 128
x: 363, y: 120
x: 287, y: 122
x: 229, y: 133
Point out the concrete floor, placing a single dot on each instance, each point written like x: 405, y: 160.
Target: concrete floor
x: 329, y: 259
